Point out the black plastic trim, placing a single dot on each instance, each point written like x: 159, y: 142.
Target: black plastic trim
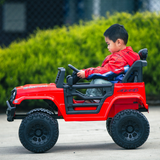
x: 10, y: 112
x: 134, y: 74
x: 60, y: 77
x: 22, y: 116
x: 70, y: 91
x: 143, y: 110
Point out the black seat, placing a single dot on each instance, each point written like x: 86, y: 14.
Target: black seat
x: 134, y: 74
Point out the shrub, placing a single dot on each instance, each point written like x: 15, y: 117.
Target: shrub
x: 36, y: 59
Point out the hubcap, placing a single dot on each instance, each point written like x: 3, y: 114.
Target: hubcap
x: 130, y: 130
x: 38, y: 134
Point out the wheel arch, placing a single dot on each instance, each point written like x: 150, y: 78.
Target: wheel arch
x: 119, y: 103
x: 19, y: 100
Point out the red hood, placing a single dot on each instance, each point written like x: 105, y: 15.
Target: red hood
x: 35, y: 89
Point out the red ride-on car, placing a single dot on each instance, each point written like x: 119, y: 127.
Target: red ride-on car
x: 120, y: 107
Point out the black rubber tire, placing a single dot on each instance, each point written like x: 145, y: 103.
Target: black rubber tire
x: 38, y: 132
x: 108, y: 124
x: 129, y: 129
x: 42, y: 110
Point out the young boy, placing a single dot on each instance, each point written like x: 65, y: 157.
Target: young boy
x: 116, y: 38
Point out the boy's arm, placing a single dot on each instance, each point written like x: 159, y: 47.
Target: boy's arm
x: 107, y: 70
x: 85, y: 73
x: 115, y: 67
x: 89, y: 71
x: 113, y: 63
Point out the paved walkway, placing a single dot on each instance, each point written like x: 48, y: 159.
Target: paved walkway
x: 81, y: 141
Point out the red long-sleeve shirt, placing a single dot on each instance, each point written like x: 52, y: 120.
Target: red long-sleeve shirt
x: 114, y: 63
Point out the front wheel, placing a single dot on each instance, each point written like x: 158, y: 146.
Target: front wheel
x: 38, y: 132
x: 129, y: 129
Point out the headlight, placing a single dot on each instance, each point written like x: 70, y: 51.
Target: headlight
x: 13, y: 95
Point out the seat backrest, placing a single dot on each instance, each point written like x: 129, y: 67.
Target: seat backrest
x: 134, y: 74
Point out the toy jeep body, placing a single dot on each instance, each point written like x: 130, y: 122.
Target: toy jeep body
x: 120, y: 107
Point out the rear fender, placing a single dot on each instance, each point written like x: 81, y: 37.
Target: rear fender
x: 135, y: 102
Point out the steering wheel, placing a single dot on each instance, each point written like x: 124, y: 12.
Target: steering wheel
x: 74, y: 74
x: 73, y: 68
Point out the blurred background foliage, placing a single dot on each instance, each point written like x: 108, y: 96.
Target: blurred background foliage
x: 37, y: 58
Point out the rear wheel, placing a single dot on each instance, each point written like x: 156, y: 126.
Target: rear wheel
x: 38, y: 132
x: 129, y: 129
x: 108, y: 124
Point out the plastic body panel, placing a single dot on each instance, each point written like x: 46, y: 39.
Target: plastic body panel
x: 40, y: 91
x: 125, y: 96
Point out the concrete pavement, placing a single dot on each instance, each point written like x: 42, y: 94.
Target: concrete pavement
x: 82, y: 141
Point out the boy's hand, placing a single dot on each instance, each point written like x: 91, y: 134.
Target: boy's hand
x: 81, y: 74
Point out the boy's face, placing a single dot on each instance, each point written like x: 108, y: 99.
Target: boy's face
x: 112, y: 46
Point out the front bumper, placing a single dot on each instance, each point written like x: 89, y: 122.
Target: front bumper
x: 10, y: 112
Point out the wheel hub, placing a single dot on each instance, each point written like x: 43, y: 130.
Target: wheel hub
x: 38, y: 132
x: 130, y: 129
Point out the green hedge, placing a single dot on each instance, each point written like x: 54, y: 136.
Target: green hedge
x: 36, y: 59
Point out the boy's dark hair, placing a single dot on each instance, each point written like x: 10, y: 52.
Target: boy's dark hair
x: 116, y: 31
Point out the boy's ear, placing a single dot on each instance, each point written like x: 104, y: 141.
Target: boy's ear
x: 120, y: 41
